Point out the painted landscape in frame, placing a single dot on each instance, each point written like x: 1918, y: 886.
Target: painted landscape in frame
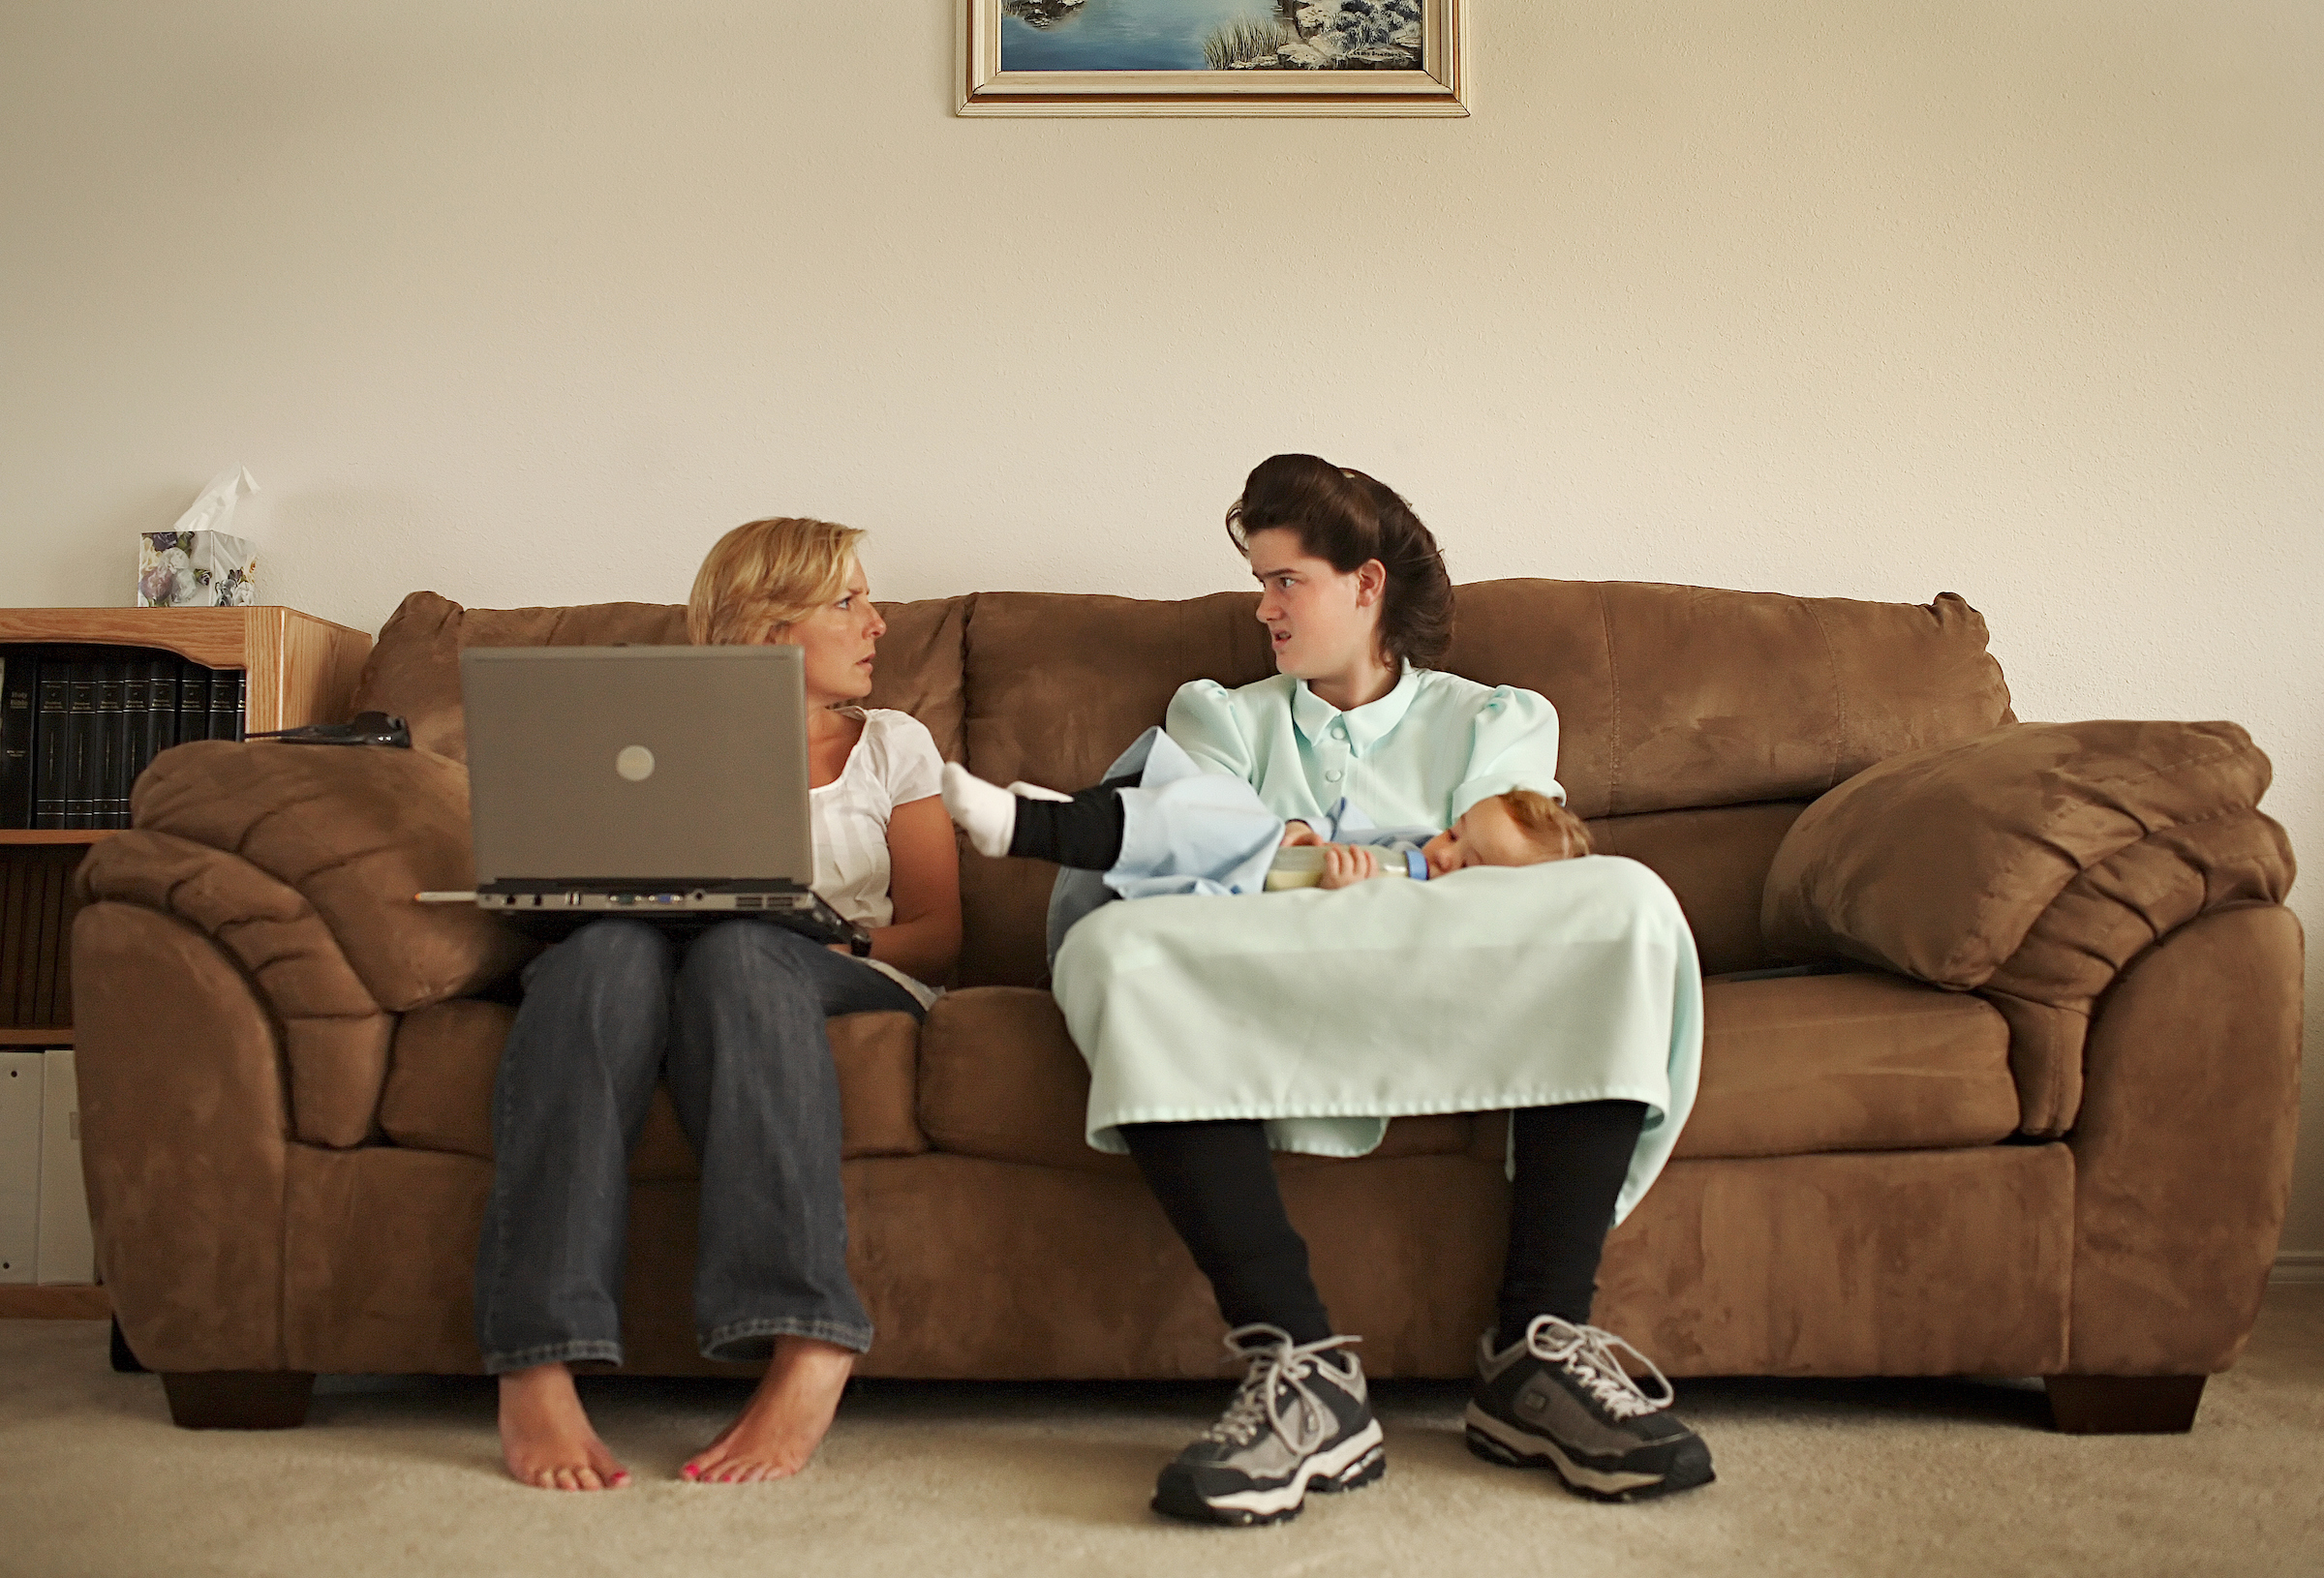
x: 1209, y: 35
x: 1212, y: 57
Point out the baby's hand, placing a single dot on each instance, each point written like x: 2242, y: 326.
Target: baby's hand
x: 1297, y: 833
x: 1345, y: 865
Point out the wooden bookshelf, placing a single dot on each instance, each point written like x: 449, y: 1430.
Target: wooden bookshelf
x: 299, y: 668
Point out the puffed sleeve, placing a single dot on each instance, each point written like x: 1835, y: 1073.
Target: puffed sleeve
x: 1513, y: 746
x: 913, y: 770
x: 1202, y: 719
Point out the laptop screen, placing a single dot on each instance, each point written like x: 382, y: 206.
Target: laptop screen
x: 628, y: 764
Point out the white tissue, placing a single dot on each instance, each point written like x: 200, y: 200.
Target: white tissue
x: 214, y: 510
x: 197, y: 563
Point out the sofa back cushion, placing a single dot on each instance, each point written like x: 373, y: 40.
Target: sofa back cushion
x: 1694, y: 722
x: 1671, y: 698
x: 1060, y: 685
x: 1668, y: 698
x: 414, y: 666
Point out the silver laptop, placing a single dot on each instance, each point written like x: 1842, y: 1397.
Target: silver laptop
x: 666, y: 781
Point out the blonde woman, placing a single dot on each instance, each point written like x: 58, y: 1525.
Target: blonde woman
x: 732, y: 1019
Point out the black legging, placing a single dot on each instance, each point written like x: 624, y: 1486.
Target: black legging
x: 1216, y: 1182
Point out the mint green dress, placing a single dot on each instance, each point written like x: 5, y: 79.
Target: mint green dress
x: 1326, y: 1014
x: 1419, y: 756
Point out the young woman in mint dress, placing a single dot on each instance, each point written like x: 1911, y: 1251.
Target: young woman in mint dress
x: 1357, y: 602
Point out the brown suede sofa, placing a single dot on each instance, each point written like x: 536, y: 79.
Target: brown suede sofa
x: 2040, y: 1125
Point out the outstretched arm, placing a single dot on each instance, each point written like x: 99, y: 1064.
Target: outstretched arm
x: 925, y: 881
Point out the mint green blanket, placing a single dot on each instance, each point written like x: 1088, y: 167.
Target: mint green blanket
x: 1327, y: 1013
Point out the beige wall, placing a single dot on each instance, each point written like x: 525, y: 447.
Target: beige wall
x: 1867, y: 297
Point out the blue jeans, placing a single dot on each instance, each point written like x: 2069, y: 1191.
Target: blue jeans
x: 733, y: 1021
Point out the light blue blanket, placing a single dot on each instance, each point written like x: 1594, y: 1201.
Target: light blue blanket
x: 1327, y: 1013
x: 1188, y: 831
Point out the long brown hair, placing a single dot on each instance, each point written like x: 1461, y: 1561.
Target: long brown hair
x: 1345, y: 518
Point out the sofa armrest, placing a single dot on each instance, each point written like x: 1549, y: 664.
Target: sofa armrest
x: 184, y: 1140
x: 2031, y: 864
x: 356, y: 832
x: 300, y: 864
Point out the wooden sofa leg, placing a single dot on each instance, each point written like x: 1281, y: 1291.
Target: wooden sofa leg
x: 239, y: 1399
x: 2124, y: 1405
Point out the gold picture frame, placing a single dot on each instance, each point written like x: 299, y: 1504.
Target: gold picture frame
x: 1357, y: 74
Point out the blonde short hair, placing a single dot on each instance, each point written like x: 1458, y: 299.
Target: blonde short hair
x: 1554, y: 830
x: 766, y: 575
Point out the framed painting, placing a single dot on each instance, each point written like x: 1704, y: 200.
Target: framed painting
x: 1212, y: 57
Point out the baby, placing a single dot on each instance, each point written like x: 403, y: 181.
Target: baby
x: 1519, y: 826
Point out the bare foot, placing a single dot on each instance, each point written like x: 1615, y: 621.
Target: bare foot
x: 545, y: 1436
x: 783, y: 1422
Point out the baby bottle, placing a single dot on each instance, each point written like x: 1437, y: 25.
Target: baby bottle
x: 1302, y: 865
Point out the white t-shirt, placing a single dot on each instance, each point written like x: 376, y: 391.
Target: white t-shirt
x: 894, y: 764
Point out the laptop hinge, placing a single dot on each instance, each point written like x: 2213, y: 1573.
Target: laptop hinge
x: 641, y: 885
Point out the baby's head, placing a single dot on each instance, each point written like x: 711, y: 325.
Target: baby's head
x: 1518, y: 828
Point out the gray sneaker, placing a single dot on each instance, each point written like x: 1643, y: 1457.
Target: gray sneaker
x: 1300, y: 1422
x: 1561, y: 1399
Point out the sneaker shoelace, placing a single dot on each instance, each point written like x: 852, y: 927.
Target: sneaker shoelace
x: 1275, y: 1387
x: 1587, y: 1355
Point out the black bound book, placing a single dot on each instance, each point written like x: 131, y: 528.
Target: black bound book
x: 226, y: 704
x: 67, y: 905
x: 19, y: 711
x: 11, y: 932
x: 31, y: 874
x: 86, y: 746
x: 112, y: 739
x: 161, y: 708
x: 39, y: 1010
x: 51, y: 744
x: 193, y: 702
x: 131, y: 757
x: 32, y: 877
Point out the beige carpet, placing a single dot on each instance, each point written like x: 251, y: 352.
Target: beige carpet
x: 401, y: 1477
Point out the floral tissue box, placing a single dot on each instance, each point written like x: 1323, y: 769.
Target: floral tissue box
x: 196, y: 569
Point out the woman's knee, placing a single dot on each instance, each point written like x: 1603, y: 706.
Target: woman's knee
x: 738, y: 951
x: 748, y: 998
x: 616, y: 952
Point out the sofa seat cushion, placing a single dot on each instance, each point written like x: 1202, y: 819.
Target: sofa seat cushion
x: 1791, y: 1066
x: 1000, y: 1079
x: 1863, y: 1061
x: 445, y: 1058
